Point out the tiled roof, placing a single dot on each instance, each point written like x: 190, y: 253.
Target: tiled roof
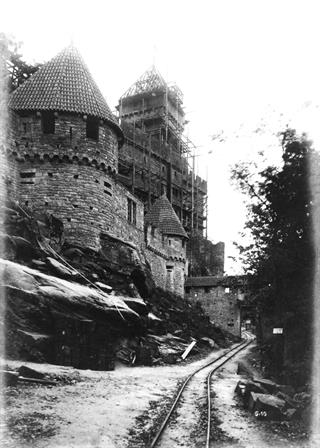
x: 63, y: 84
x: 230, y: 280
x: 162, y: 216
x: 150, y: 80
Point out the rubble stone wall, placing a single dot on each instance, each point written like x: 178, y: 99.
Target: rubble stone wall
x: 69, y: 140
x: 221, y: 305
x: 125, y: 229
x: 52, y: 174
x: 166, y: 256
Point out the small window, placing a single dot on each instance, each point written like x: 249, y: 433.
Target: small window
x: 76, y: 176
x: 27, y: 174
x: 132, y: 211
x: 169, y: 242
x: 227, y: 290
x: 92, y: 128
x: 207, y: 289
x: 47, y: 122
x: 187, y: 289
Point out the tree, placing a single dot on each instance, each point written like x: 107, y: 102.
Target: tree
x: 17, y: 68
x: 280, y: 258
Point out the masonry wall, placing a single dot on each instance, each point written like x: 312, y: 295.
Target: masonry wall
x: 68, y: 140
x: 167, y: 258
x: 221, y: 306
x: 64, y: 179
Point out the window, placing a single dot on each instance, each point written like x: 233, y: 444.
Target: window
x: 26, y: 127
x: 132, y: 211
x: 107, y: 188
x: 47, y: 122
x: 207, y: 289
x: 227, y: 290
x: 27, y: 174
x: 27, y: 177
x: 92, y: 128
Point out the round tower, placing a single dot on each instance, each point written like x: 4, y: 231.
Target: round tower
x: 64, y: 143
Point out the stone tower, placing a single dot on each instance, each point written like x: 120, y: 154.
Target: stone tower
x: 166, y: 246
x: 64, y: 148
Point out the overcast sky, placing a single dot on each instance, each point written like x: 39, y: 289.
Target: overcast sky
x: 246, y: 68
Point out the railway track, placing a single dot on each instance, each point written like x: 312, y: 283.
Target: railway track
x: 212, y: 366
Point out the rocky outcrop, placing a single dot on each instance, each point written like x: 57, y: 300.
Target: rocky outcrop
x: 55, y: 320
x: 71, y: 305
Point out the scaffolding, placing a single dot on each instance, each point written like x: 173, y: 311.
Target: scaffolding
x: 152, y: 117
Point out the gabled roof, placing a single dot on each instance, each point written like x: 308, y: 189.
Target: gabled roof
x: 162, y: 216
x: 63, y: 84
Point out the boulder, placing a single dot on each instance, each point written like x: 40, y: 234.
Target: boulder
x: 266, y: 406
x: 250, y: 387
x: 49, y: 319
x: 27, y: 372
x: 269, y: 385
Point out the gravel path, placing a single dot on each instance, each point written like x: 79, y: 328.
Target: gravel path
x: 123, y: 408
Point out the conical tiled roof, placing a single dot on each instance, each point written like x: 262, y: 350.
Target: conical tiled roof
x: 63, y: 84
x: 162, y: 216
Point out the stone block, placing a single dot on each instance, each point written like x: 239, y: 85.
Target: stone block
x: 266, y: 406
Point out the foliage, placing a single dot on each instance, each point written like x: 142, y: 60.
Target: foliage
x: 18, y: 69
x: 280, y: 257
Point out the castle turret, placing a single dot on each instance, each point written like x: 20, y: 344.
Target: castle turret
x: 64, y: 144
x: 166, y: 246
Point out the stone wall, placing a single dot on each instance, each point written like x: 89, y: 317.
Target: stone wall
x: 73, y: 178
x: 167, y: 258
x: 69, y: 139
x: 221, y: 304
x: 132, y: 232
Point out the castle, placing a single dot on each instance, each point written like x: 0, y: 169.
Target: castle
x: 64, y: 153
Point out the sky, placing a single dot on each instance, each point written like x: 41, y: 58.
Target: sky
x: 247, y: 69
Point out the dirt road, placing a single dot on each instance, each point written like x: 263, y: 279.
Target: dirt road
x: 122, y: 408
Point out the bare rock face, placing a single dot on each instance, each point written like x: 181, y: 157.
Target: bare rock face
x: 54, y: 320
